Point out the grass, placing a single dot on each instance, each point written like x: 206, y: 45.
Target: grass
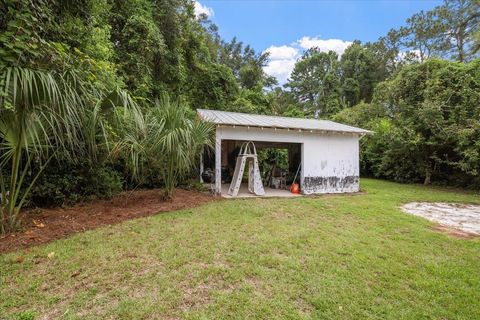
x: 342, y: 256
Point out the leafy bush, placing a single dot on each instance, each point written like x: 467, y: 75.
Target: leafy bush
x: 426, y: 125
x: 65, y: 184
x: 193, y: 184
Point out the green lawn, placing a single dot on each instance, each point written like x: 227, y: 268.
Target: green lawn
x: 342, y: 256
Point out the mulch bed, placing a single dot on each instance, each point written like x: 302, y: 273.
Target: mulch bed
x: 45, y: 225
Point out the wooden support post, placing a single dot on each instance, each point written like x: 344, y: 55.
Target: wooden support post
x: 302, y: 170
x: 201, y: 165
x: 218, y: 163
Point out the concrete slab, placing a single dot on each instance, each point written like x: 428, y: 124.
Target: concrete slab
x: 464, y: 217
x: 269, y: 192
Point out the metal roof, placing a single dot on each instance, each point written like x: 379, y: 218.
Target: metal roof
x: 257, y: 120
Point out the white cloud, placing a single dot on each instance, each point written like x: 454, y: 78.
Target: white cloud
x: 336, y: 45
x: 200, y: 8
x: 282, y: 52
x: 280, y: 69
x: 283, y: 58
x: 281, y: 62
x: 410, y: 55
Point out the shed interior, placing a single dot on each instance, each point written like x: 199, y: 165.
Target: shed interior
x: 278, y: 162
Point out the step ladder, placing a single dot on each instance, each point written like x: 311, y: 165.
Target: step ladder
x: 248, y: 153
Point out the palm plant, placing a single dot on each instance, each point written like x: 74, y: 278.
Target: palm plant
x: 169, y: 141
x: 179, y: 142
x: 43, y: 114
x: 36, y: 111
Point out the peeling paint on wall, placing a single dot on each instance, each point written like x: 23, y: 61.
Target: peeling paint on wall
x: 331, y: 184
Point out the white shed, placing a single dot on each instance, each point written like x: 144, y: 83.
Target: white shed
x: 327, y: 152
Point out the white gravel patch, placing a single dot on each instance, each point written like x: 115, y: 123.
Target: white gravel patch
x: 464, y: 217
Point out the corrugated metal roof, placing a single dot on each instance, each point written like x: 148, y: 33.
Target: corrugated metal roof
x: 257, y: 120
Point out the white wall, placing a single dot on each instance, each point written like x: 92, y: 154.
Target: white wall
x: 330, y: 161
x: 331, y: 164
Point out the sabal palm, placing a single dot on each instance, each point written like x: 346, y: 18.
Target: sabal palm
x: 169, y: 141
x: 179, y: 141
x: 41, y: 114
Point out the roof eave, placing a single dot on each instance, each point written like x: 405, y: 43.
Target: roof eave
x: 234, y: 125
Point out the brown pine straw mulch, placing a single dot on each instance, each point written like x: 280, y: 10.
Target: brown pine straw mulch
x: 45, y: 225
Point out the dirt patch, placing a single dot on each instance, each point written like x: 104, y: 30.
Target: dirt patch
x: 45, y: 225
x: 461, y: 220
x: 454, y: 232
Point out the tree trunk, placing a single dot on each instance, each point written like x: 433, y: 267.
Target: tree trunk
x: 461, y: 50
x: 428, y: 175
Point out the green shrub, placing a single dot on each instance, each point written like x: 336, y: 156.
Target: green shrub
x: 194, y: 184
x: 65, y: 184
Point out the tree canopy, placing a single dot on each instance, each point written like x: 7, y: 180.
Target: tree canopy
x: 427, y: 124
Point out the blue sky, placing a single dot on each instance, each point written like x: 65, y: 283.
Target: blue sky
x: 285, y: 27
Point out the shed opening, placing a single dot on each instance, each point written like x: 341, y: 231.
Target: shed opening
x: 278, y: 162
